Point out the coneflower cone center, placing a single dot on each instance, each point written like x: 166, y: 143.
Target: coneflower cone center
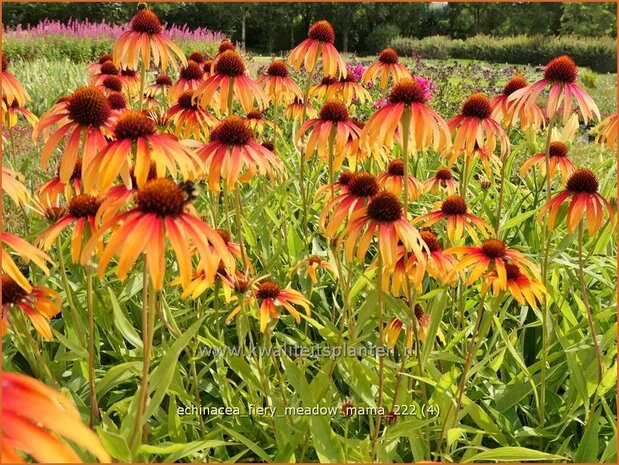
x: 162, y: 197
x: 278, y: 69
x: 254, y: 114
x: 267, y: 290
x: 314, y: 260
x: 562, y: 69
x: 347, y: 409
x: 322, y: 31
x: 443, y: 174
x: 186, y: 101
x: 225, y: 46
x: 358, y: 122
x: 77, y: 170
x: 514, y: 84
x: 208, y: 66
x: 363, y: 185
x: 133, y: 125
x: 163, y: 80
x: 197, y: 57
x: 232, y: 131
x: 345, y: 177
x: 512, y: 271
x: 128, y: 72
x: 454, y: 205
x: 583, y: 180
x: 328, y: 81
x: 105, y: 57
x: 5, y: 63
x: 117, y: 101
x: 396, y: 168
x: 431, y: 240
x: 419, y: 312
x: 192, y: 71
x: 494, y: 248
x: 230, y: 63
x: 11, y: 291
x: 558, y: 149
x: 407, y: 91
x: 225, y: 235
x: 388, y: 56
x: 83, y: 206
x: 113, y: 83
x: 267, y: 144
x: 88, y: 107
x: 335, y: 111
x: 478, y: 106
x: 109, y: 68
x: 147, y: 22
x: 385, y: 208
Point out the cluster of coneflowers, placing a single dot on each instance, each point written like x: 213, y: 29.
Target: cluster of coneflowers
x: 129, y: 154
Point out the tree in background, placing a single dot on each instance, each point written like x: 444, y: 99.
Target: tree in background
x: 590, y: 19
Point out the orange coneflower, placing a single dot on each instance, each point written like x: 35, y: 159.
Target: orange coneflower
x: 425, y: 127
x: 26, y: 251
x: 487, y: 157
x: 13, y: 187
x: 474, y: 127
x: 395, y: 326
x: 226, y: 45
x: 442, y: 179
x: 146, y: 41
x: 35, y: 419
x: 208, y: 68
x: 582, y: 188
x: 134, y: 130
x: 608, y: 131
x: 12, y: 111
x: 228, y: 80
x: 393, y: 180
x: 256, y: 121
x: 319, y: 43
x: 160, y: 213
x: 297, y: 110
x: 40, y: 304
x: 107, y: 69
x: 162, y: 84
x: 454, y: 208
x: 503, y: 109
x: 110, y: 84
x: 492, y: 255
x: 521, y: 286
x: 558, y: 159
x: 118, y: 103
x: 339, y: 186
x: 388, y: 66
x: 12, y: 89
x: 311, y: 265
x: 438, y: 264
x: 232, y: 150
x: 85, y: 114
x: 384, y: 216
x: 190, y: 78
x: 350, y: 90
x: 198, y: 57
x: 131, y: 80
x: 190, y: 120
x: 325, y: 89
x: 331, y: 130
x: 269, y: 295
x: 277, y: 84
x: 560, y: 74
x: 49, y: 192
x: 94, y: 68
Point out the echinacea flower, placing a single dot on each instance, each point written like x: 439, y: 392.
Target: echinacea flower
x: 312, y: 264
x: 131, y: 80
x: 94, y: 68
x: 387, y: 66
x: 232, y: 151
x: 297, y: 110
x: 393, y: 180
x: 558, y: 159
x: 582, y: 189
x: 269, y: 296
x: 474, y: 127
x: 256, y: 121
x: 384, y: 217
x: 24, y: 250
x: 118, y: 103
x: 229, y: 80
x: 492, y: 255
x: 350, y: 91
x: 36, y: 418
x: 49, y: 192
x: 319, y: 44
x: 13, y: 187
x: 145, y: 40
x: 138, y: 144
x: 442, y: 180
x: 277, y: 84
x: 160, y: 214
x: 226, y: 45
x: 190, y: 77
x: 40, y: 304
x: 189, y: 119
x: 521, y: 286
x: 455, y: 210
x: 608, y: 131
x: 438, y: 263
x: 504, y: 109
x: 110, y: 84
x: 325, y: 89
x: 198, y: 57
x: 162, y: 84
x: 84, y: 115
x: 9, y: 114
x: 560, y: 75
x: 407, y: 105
x: 395, y: 327
x: 339, y: 186
x: 12, y: 89
x: 107, y: 69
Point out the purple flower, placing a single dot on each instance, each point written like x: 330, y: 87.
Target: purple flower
x: 356, y: 71
x: 380, y: 103
x: 427, y: 86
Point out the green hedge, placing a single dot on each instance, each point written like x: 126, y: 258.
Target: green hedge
x: 599, y: 54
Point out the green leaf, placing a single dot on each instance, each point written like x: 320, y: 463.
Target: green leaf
x: 514, y: 454
x: 589, y: 444
x: 115, y: 444
x: 122, y: 324
x: 116, y: 375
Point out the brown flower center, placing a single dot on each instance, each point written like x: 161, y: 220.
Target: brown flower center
x: 328, y: 81
x: 267, y: 144
x: 83, y: 206
x: 192, y: 71
x: 514, y: 84
x: 396, y: 168
x: 443, y: 174
x: 254, y: 114
x: 267, y: 290
x: 232, y: 131
x: 147, y: 22
x: 477, y: 105
x: 117, y: 101
x: 407, y: 91
x: 558, y: 149
x: 385, y: 208
x: 334, y: 110
x: 225, y: 235
x: 322, y: 31
x: 314, y: 260
x: 358, y: 122
x: 161, y: 196
x: 77, y: 170
x: 5, y: 63
x: 494, y: 248
x: 88, y: 107
x: 562, y: 69
x: 230, y: 63
x: 485, y: 184
x: 186, y: 101
x: 226, y: 45
x: 278, y: 68
x: 419, y: 312
x: 431, y: 239
x: 11, y: 291
x: 208, y: 66
x: 163, y: 80
x: 454, y: 205
x: 197, y: 57
x: 133, y: 125
x: 109, y: 68
x: 388, y: 56
x: 348, y: 409
x: 583, y: 180
x: 363, y: 185
x: 105, y: 57
x: 128, y: 72
x: 345, y: 178
x: 512, y: 271
x: 113, y: 83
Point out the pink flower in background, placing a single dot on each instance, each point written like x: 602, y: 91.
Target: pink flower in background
x: 380, y: 103
x: 355, y: 70
x: 427, y: 86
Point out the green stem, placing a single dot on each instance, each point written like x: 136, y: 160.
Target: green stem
x: 230, y: 96
x: 75, y: 316
x: 504, y: 164
x: 331, y: 143
x: 142, y: 82
x: 302, y: 164
x: 239, y: 231
x: 94, y: 407
x: 381, y: 345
